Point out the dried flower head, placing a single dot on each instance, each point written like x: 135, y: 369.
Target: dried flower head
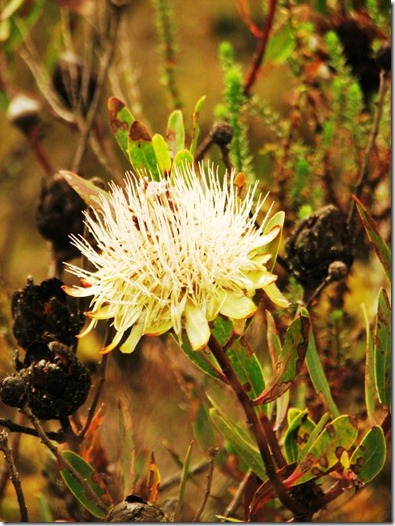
x: 174, y: 255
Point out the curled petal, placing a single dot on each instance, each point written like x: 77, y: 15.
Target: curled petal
x: 196, y: 326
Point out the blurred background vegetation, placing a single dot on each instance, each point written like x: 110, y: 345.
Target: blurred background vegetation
x: 307, y: 118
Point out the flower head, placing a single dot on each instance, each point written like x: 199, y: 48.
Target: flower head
x: 174, y: 255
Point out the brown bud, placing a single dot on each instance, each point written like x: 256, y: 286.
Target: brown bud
x: 221, y: 133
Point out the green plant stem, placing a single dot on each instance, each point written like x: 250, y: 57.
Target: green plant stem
x: 256, y: 428
x: 62, y: 462
x: 14, y: 476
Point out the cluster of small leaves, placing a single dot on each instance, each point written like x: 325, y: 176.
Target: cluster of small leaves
x: 233, y: 111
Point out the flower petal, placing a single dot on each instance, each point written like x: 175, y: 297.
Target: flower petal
x: 133, y: 339
x: 196, y: 326
x: 276, y: 296
x: 238, y: 306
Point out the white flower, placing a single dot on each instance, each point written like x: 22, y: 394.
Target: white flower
x: 174, y: 255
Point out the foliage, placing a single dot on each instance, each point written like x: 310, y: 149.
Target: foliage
x: 290, y: 409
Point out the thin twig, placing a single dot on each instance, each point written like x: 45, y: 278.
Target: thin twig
x: 213, y: 453
x: 106, y: 61
x: 58, y: 436
x: 364, y: 172
x: 62, y: 462
x: 14, y: 475
x: 233, y: 504
x: 175, y: 479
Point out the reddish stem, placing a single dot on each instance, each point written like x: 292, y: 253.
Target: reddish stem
x: 260, y: 51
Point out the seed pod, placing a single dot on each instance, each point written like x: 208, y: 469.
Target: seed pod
x: 319, y: 240
x: 59, y: 214
x: 135, y: 509
x: 221, y: 133
x: 69, y: 82
x: 57, y: 382
x: 24, y: 113
x: 13, y: 391
x: 45, y: 312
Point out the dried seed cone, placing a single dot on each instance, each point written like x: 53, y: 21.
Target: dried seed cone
x: 43, y: 313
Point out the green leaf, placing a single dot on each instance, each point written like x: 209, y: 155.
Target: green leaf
x: 313, y: 435
x: 93, y: 480
x: 88, y: 191
x: 370, y: 390
x: 382, y: 349
x: 175, y: 133
x: 162, y: 153
x: 183, y: 159
x: 337, y: 437
x: 202, y: 428
x: 369, y: 457
x: 205, y: 362
x: 183, y: 481
x: 281, y: 45
x: 382, y: 250
x: 141, y: 151
x: 239, y: 441
x: 222, y: 329
x: 289, y: 362
x: 120, y: 120
x: 247, y: 368
x: 273, y: 246
x: 318, y: 377
x: 298, y: 431
x: 196, y: 125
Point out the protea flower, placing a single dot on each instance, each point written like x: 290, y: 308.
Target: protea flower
x: 174, y: 255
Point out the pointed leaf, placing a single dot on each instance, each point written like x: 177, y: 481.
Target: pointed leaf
x: 93, y: 480
x: 317, y: 376
x: 89, y: 192
x: 247, y: 367
x: 298, y: 431
x: 202, y: 428
x: 196, y: 125
x: 337, y: 437
x: 289, y: 361
x: 382, y: 250
x: 239, y: 441
x: 370, y: 390
x: 369, y: 457
x: 382, y: 349
x: 162, y: 153
x: 120, y: 120
x: 141, y: 151
x: 205, y: 362
x: 175, y: 133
